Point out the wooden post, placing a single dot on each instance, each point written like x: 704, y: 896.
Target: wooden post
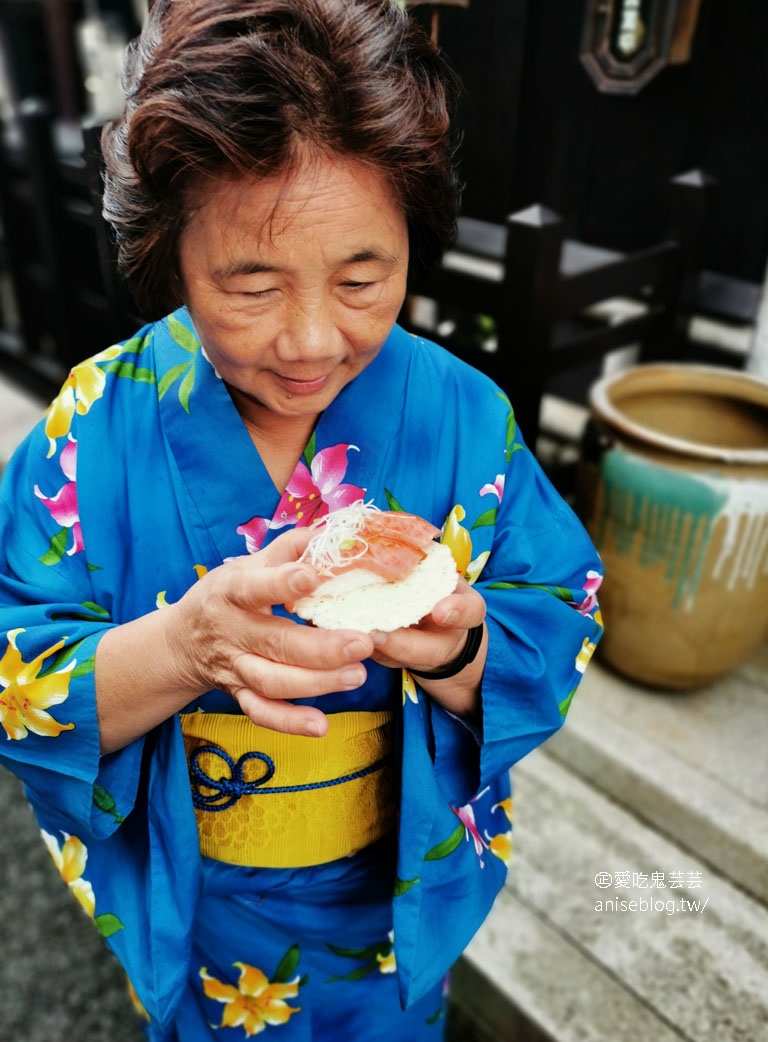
x: 757, y: 358
x: 691, y: 196
x: 532, y: 264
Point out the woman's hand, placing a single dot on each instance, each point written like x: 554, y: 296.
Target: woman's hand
x: 222, y: 634
x: 438, y: 641
x: 230, y: 640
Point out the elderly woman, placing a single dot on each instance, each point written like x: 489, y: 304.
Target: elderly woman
x: 275, y: 825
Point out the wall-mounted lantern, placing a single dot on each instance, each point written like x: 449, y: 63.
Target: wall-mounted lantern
x: 626, y: 43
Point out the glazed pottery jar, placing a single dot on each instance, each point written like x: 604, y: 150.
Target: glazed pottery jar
x: 673, y: 489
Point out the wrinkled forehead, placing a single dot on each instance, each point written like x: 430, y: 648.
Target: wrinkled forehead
x: 316, y: 187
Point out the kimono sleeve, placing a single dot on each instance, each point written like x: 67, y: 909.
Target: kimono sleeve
x: 543, y: 618
x: 50, y: 627
x: 539, y: 580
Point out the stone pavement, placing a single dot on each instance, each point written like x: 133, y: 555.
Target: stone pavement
x: 639, y: 789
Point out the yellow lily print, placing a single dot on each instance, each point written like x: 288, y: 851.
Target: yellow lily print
x: 83, y: 386
x: 501, y: 846
x: 409, y: 688
x: 70, y: 860
x: 161, y: 601
x: 255, y: 1003
x: 136, y: 1002
x: 505, y: 806
x: 25, y: 696
x: 387, y: 962
x: 459, y: 540
x: 501, y: 843
x: 586, y: 651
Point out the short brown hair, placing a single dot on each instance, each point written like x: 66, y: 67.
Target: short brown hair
x: 221, y: 87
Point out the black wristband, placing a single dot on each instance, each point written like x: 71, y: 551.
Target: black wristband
x: 469, y: 654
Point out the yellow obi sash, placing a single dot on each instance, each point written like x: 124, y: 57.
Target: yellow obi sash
x: 271, y: 800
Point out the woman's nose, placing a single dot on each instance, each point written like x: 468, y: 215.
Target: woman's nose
x: 309, y: 332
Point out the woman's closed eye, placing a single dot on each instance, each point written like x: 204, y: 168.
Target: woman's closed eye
x: 257, y: 293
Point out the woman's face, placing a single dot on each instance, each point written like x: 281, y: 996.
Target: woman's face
x: 295, y: 283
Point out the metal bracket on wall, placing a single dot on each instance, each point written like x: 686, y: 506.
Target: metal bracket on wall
x: 625, y: 43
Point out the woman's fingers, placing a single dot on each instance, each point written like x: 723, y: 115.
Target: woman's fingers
x: 237, y: 643
x: 439, y: 638
x: 282, y: 716
x: 277, y: 681
x: 288, y: 546
x: 262, y: 688
x: 286, y: 642
x: 253, y: 584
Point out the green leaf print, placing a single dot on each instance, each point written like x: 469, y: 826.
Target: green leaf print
x: 447, y: 846
x: 561, y: 592
x: 84, y: 668
x: 364, y: 954
x: 358, y: 974
x: 129, y: 371
x: 392, y: 503
x: 286, y: 971
x: 184, y: 371
x: 186, y: 339
x: 64, y: 656
x: 91, y: 610
x: 57, y: 549
x: 80, y: 669
x: 511, y: 428
x: 135, y: 345
x: 185, y: 390
x: 402, y: 886
x: 108, y: 924
x: 371, y: 957
x: 170, y: 378
x: 565, y: 705
x: 105, y: 801
x: 488, y: 518
x: 309, y: 451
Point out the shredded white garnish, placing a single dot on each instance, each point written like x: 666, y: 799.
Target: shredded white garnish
x: 338, y: 533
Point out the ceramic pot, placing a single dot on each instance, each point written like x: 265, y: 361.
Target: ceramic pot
x: 673, y: 489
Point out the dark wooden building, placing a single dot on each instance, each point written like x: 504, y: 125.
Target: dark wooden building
x: 537, y: 130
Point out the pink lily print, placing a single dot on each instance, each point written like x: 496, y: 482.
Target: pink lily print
x: 312, y: 492
x: 254, y: 533
x: 590, y: 588
x: 63, y: 507
x: 495, y: 489
x: 466, y: 816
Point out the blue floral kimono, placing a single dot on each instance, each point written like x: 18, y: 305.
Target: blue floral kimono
x: 139, y: 479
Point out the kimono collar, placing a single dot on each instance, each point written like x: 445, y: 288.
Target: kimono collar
x: 220, y: 466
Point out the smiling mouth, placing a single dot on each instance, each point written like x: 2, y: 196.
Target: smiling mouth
x: 303, y: 385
